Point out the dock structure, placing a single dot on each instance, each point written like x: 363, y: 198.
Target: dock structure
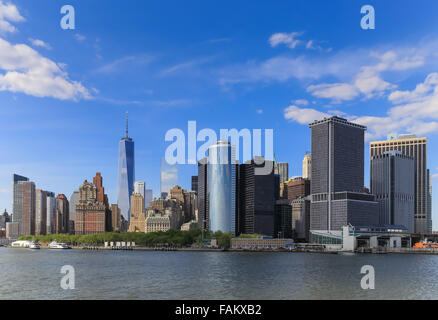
x: 119, y: 245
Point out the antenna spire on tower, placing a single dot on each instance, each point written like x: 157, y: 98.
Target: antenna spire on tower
x: 127, y: 136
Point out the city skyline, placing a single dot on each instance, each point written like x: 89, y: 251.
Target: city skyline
x: 72, y: 137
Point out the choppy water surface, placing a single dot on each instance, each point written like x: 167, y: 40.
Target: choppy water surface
x: 27, y: 274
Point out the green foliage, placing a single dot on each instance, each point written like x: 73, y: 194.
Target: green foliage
x: 250, y: 236
x: 170, y: 237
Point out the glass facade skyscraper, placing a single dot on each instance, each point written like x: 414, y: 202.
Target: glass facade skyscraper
x: 416, y: 147
x: 126, y: 176
x: 221, y: 186
x: 392, y: 180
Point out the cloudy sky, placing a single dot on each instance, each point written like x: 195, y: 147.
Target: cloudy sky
x: 223, y: 64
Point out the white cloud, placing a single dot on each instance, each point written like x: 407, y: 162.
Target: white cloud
x: 9, y: 13
x: 185, y: 66
x: 419, y: 93
x: 40, y: 43
x: 301, y: 102
x: 259, y: 111
x: 169, y: 175
x: 123, y: 63
x: 79, y: 37
x: 291, y: 41
x: 303, y: 115
x: 421, y: 103
x: 288, y: 39
x: 170, y: 103
x: 28, y: 72
x: 368, y: 80
x: 218, y: 40
x: 336, y: 91
x: 417, y: 117
x: 358, y: 73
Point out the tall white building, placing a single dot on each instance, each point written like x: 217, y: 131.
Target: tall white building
x: 140, y: 187
x: 307, y: 166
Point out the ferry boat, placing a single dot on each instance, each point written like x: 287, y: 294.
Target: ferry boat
x: 425, y: 245
x: 20, y: 244
x: 34, y: 245
x: 58, y: 245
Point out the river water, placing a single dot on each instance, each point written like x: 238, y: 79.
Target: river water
x: 35, y: 274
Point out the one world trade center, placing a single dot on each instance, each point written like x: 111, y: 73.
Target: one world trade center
x: 126, y: 176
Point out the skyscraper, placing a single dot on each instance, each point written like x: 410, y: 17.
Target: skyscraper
x: 138, y: 218
x: 125, y: 185
x: 283, y: 219
x: 337, y: 185
x: 115, y: 218
x: 258, y: 195
x: 62, y: 214
x: 202, y: 194
x: 74, y: 200
x: 41, y: 212
x: 24, y: 204
x: 51, y: 213
x: 148, y: 197
x: 221, y: 186
x: 414, y: 147
x: 392, y: 181
x: 307, y: 167
x: 17, y: 195
x: 140, y: 188
x: 4, y: 218
x: 195, y: 183
x: 92, y: 215
x: 283, y: 171
x: 429, y: 199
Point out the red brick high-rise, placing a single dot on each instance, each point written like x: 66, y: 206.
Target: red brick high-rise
x: 298, y: 188
x: 93, y: 214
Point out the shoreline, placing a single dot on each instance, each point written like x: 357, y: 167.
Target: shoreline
x: 98, y: 248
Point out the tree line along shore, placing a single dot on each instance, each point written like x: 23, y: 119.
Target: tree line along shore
x: 171, y: 237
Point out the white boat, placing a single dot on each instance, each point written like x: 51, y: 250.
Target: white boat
x: 34, y: 245
x: 58, y: 245
x: 20, y: 244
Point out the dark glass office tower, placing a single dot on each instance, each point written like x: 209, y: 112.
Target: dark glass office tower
x: 195, y: 183
x: 392, y: 180
x: 126, y: 176
x: 337, y: 184
x: 258, y: 195
x: 416, y: 147
x: 202, y: 193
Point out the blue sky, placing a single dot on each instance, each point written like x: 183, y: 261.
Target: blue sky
x: 224, y: 64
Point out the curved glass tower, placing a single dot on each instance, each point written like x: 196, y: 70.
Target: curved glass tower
x: 221, y: 186
x: 125, y: 183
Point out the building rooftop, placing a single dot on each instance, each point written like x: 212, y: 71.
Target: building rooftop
x: 337, y: 120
